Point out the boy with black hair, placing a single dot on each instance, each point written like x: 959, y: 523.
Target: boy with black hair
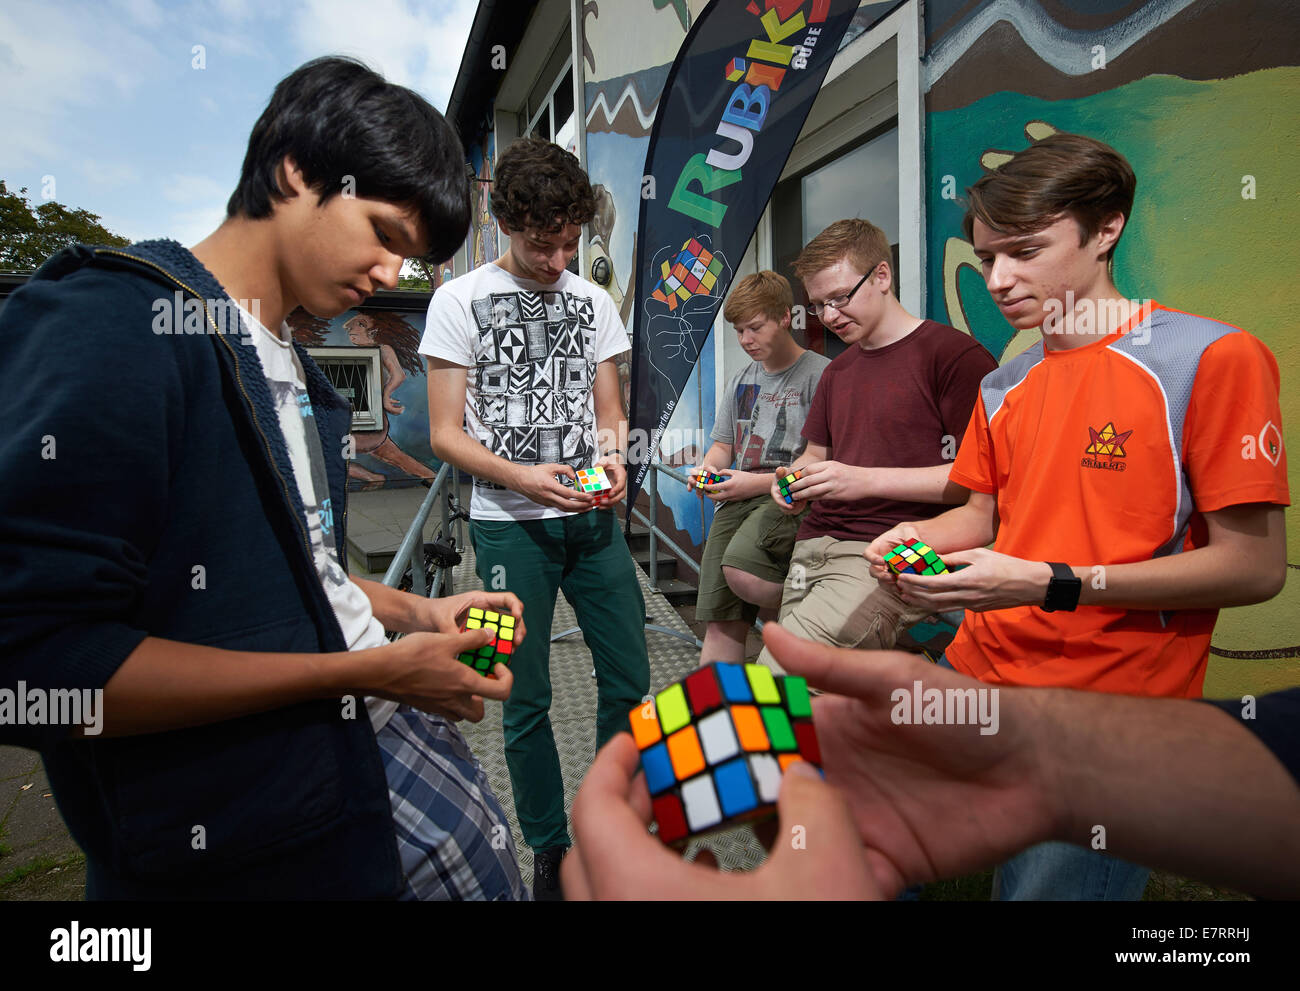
x: 1109, y: 464
x: 524, y: 391
x: 177, y: 539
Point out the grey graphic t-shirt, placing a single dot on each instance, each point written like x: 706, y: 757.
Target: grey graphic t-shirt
x: 532, y: 352
x: 762, y: 415
x: 284, y: 375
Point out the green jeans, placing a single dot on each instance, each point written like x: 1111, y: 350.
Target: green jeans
x: 586, y: 557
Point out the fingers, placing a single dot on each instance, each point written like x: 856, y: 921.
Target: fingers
x: 819, y: 853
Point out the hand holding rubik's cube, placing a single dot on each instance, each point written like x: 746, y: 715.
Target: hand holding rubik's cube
x: 714, y: 746
x: 705, y: 476
x: 913, y: 557
x: 498, y: 649
x: 784, y: 482
x: 596, y: 483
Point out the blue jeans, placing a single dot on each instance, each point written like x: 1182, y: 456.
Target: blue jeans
x: 1066, y: 873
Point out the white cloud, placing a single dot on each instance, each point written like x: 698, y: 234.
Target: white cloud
x: 145, y: 12
x: 192, y: 226
x: 109, y: 173
x: 410, y: 44
x: 194, y: 189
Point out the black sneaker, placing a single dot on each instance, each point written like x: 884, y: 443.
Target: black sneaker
x: 546, y: 874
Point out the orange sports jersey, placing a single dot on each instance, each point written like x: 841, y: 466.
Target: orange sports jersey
x: 1108, y: 454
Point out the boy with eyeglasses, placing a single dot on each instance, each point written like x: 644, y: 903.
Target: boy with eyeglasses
x: 896, y: 400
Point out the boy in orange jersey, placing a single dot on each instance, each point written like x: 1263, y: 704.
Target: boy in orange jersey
x: 1108, y: 462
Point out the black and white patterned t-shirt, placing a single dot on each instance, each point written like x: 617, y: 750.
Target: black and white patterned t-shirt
x: 532, y: 352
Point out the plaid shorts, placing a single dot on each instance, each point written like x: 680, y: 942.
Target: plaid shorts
x: 452, y: 837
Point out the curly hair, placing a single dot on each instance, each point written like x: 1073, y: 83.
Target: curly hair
x: 307, y: 330
x: 392, y: 329
x: 539, y: 184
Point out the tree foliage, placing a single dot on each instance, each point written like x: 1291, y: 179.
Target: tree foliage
x: 30, y: 234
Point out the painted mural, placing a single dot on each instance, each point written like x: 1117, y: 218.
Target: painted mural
x: 398, y: 453
x: 1200, y: 96
x: 483, y: 232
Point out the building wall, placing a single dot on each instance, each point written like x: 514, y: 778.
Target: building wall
x: 1200, y: 96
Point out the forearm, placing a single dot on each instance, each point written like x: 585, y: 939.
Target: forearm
x: 718, y: 456
x: 913, y: 484
x: 957, y: 530
x: 166, y: 684
x: 456, y: 447
x: 1213, y: 577
x: 611, y: 434
x: 398, y: 611
x: 1175, y: 784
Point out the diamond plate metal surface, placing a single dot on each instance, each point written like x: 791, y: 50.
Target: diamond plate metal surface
x: 573, y: 717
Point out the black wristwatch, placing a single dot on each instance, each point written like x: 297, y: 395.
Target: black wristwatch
x: 1063, y: 590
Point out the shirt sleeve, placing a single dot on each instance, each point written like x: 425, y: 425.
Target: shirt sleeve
x: 1232, y: 437
x: 817, y: 427
x: 611, y: 337
x: 449, y: 328
x: 959, y: 387
x: 724, y: 424
x: 974, y: 467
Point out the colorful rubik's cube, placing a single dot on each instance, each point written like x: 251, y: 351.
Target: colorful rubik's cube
x: 914, y: 558
x: 499, y: 648
x: 714, y: 746
x: 694, y: 270
x: 783, y: 484
x: 595, y: 481
x: 735, y: 70
x: 703, y: 478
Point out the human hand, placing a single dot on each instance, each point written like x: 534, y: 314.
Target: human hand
x: 882, y: 545
x: 393, y: 405
x: 422, y: 670
x: 735, y: 485
x: 614, y: 857
x: 789, y: 508
x: 447, y: 614
x: 988, y: 581
x: 930, y: 800
x: 832, y: 480
x: 616, y: 472
x: 538, y: 483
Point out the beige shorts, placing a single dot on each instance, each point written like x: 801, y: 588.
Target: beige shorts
x: 831, y: 597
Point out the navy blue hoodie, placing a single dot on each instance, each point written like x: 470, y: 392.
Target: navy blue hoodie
x: 130, y: 458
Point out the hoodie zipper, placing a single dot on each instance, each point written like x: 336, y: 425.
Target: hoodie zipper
x: 239, y: 380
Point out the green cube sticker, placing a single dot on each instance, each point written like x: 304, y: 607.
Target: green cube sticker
x: 797, y: 699
x: 778, y: 728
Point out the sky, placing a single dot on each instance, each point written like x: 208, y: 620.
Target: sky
x: 110, y: 105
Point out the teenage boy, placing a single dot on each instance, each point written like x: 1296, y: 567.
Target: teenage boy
x: 759, y: 425
x: 896, y: 400
x: 1110, y: 462
x: 523, y: 391
x: 175, y: 539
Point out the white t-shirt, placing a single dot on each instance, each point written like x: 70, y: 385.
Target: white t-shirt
x: 532, y: 352
x: 351, y: 605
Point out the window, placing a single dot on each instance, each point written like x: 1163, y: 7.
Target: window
x: 355, y: 374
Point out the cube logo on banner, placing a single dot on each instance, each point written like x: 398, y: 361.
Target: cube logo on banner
x: 714, y: 746
x: 694, y: 271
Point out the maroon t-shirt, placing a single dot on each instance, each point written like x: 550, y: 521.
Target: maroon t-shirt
x: 892, y: 407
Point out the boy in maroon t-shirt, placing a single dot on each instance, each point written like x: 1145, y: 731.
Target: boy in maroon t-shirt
x: 898, y: 398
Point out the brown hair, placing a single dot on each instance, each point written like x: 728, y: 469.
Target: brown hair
x: 1061, y: 174
x: 763, y: 292
x: 539, y: 184
x: 857, y: 241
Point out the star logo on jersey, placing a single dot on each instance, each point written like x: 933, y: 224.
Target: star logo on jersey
x: 1106, y: 442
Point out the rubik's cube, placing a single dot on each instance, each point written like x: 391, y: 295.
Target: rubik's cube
x: 914, y: 558
x: 702, y: 479
x: 714, y: 746
x: 694, y: 270
x: 499, y: 648
x: 595, y: 481
x: 783, y: 484
x: 735, y: 70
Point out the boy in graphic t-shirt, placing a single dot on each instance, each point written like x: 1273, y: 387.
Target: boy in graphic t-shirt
x: 1108, y: 462
x: 895, y: 401
x: 759, y: 426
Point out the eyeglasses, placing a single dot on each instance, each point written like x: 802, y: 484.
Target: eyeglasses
x: 839, y: 302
